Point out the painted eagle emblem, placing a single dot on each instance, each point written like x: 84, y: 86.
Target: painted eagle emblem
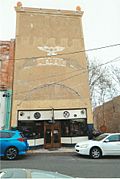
x: 51, y: 51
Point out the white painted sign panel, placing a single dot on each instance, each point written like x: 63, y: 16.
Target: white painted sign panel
x: 70, y: 114
x: 55, y: 114
x: 2, y: 109
x: 35, y: 115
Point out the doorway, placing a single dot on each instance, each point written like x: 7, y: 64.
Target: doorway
x: 52, y: 135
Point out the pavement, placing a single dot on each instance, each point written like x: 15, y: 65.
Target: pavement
x: 54, y: 150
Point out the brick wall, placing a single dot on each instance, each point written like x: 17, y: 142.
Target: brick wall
x: 7, y: 49
x: 107, y: 116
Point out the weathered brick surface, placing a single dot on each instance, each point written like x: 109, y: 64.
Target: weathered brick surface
x: 7, y: 49
x: 108, y: 115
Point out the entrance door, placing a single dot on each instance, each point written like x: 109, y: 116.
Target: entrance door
x: 52, y: 133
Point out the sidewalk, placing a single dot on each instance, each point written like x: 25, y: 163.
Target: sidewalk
x: 55, y: 150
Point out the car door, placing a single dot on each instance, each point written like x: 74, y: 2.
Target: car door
x: 4, y: 141
x: 111, y: 145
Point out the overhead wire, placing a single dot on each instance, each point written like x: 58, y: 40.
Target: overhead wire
x: 85, y: 71
x: 83, y: 68
x: 74, y: 52
x: 68, y: 53
x: 58, y: 74
x: 59, y: 82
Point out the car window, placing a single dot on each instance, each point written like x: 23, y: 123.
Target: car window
x: 114, y: 138
x: 5, y: 134
x: 100, y: 137
x: 22, y: 134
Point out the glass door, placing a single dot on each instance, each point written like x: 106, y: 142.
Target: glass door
x: 52, y: 135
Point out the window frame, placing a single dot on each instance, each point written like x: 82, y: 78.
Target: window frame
x: 3, y: 135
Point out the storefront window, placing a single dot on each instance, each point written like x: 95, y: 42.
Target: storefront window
x: 74, y: 128
x: 65, y: 128
x: 32, y: 129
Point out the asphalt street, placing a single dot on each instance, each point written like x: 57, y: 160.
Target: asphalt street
x: 69, y: 164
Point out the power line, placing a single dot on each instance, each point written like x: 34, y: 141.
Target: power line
x: 59, y: 82
x: 116, y: 59
x: 65, y: 79
x: 102, y: 47
x: 58, y: 74
x: 79, y: 69
x: 68, y: 53
x: 75, y: 52
x: 82, y: 68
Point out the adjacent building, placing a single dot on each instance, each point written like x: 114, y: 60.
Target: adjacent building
x: 51, y: 102
x: 107, y: 116
x: 6, y: 76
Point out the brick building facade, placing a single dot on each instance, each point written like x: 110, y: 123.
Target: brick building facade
x: 7, y: 49
x: 107, y: 116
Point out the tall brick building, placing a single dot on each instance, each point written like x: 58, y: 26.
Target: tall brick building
x: 7, y: 49
x: 51, y: 102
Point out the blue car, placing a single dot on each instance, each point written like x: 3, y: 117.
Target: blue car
x: 12, y: 144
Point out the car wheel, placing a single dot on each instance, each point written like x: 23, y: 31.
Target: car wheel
x: 95, y: 153
x: 11, y: 153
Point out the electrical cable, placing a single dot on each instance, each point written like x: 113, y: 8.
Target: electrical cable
x: 111, y: 61
x: 80, y: 51
x: 49, y: 84
x: 68, y: 53
x: 59, y: 82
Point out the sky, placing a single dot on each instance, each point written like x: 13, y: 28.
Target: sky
x: 101, y: 23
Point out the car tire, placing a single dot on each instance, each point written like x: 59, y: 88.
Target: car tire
x: 11, y: 153
x: 95, y: 153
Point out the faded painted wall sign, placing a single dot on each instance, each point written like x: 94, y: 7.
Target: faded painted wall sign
x: 51, y: 51
x: 51, y: 60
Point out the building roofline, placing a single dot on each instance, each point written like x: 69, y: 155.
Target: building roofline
x: 6, y: 42
x: 108, y: 102
x: 48, y: 11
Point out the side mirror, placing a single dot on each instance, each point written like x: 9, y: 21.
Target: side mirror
x: 107, y: 140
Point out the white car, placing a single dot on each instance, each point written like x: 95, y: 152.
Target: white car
x: 104, y: 144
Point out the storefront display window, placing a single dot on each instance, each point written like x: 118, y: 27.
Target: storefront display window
x: 32, y: 129
x: 74, y: 128
x: 69, y: 128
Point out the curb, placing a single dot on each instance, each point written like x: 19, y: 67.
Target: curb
x: 45, y: 151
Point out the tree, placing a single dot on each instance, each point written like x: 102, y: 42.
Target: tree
x: 115, y: 72
x: 103, y: 82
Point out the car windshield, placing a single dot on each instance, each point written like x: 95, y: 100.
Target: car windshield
x: 100, y: 137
